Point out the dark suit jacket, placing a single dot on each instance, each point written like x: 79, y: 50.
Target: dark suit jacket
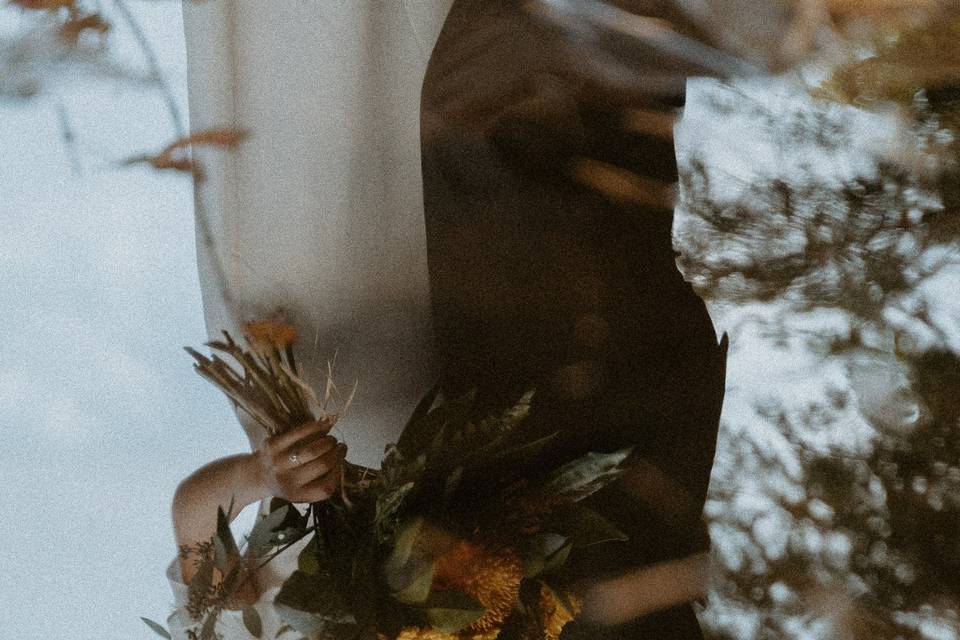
x: 551, y: 265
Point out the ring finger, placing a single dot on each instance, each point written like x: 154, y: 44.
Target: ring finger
x: 308, y: 449
x: 319, y: 466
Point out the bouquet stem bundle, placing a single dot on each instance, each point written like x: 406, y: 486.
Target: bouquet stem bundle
x: 268, y: 386
x: 463, y: 534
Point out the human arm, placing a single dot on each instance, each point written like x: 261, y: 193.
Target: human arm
x: 647, y: 590
x: 302, y: 465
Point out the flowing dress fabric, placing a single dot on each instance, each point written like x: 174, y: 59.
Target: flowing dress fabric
x: 320, y: 212
x: 544, y: 219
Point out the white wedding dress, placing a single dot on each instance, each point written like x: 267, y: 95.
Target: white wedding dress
x: 319, y: 214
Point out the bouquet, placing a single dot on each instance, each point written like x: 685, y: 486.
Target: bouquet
x: 460, y: 535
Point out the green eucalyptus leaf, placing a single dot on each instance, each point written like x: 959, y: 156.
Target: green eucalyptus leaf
x: 307, y: 560
x: 287, y: 536
x: 251, y: 620
x: 417, y: 579
x: 519, y: 411
x: 208, y: 630
x: 541, y: 551
x: 585, y: 527
x: 221, y: 558
x: 451, y: 611
x: 157, y: 628
x: 406, y: 539
x: 409, y: 574
x: 389, y: 504
x: 294, y: 519
x: 314, y: 606
x: 556, y: 559
x: 225, y: 535
x: 279, y: 503
x: 416, y: 431
x: 523, y: 452
x: 261, y: 537
x: 533, y: 565
x: 451, y: 483
x: 588, y: 474
x: 421, y: 435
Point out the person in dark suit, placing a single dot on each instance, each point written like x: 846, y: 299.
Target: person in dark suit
x: 549, y: 192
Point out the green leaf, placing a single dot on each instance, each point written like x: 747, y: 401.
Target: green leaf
x: 227, y: 543
x: 314, y: 606
x: 389, y: 504
x: 451, y: 611
x: 451, y: 484
x: 524, y: 452
x: 519, y: 411
x: 542, y: 550
x: 261, y: 537
x: 287, y: 536
x: 588, y: 474
x: 422, y: 425
x: 417, y: 579
x: 221, y: 558
x: 294, y: 519
x: 251, y: 620
x: 556, y: 559
x: 585, y: 527
x: 406, y: 539
x: 279, y: 503
x: 157, y: 628
x: 412, y: 433
x: 208, y: 630
x: 307, y: 560
x: 408, y: 574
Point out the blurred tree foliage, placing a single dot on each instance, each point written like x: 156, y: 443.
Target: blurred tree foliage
x: 844, y: 541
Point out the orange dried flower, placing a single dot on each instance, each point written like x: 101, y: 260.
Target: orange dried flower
x: 271, y: 333
x: 176, y: 155
x: 491, y: 576
x: 42, y: 5
x: 71, y: 30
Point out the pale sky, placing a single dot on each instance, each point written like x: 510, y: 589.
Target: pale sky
x: 100, y: 411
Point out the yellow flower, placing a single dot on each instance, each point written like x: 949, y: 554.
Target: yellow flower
x: 491, y: 576
x: 271, y: 333
x: 416, y: 633
x: 555, y: 614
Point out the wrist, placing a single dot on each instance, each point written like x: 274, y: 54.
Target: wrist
x: 255, y: 478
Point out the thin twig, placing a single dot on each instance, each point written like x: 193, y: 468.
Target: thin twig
x: 154, y: 66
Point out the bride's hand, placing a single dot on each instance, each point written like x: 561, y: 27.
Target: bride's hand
x: 303, y: 465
